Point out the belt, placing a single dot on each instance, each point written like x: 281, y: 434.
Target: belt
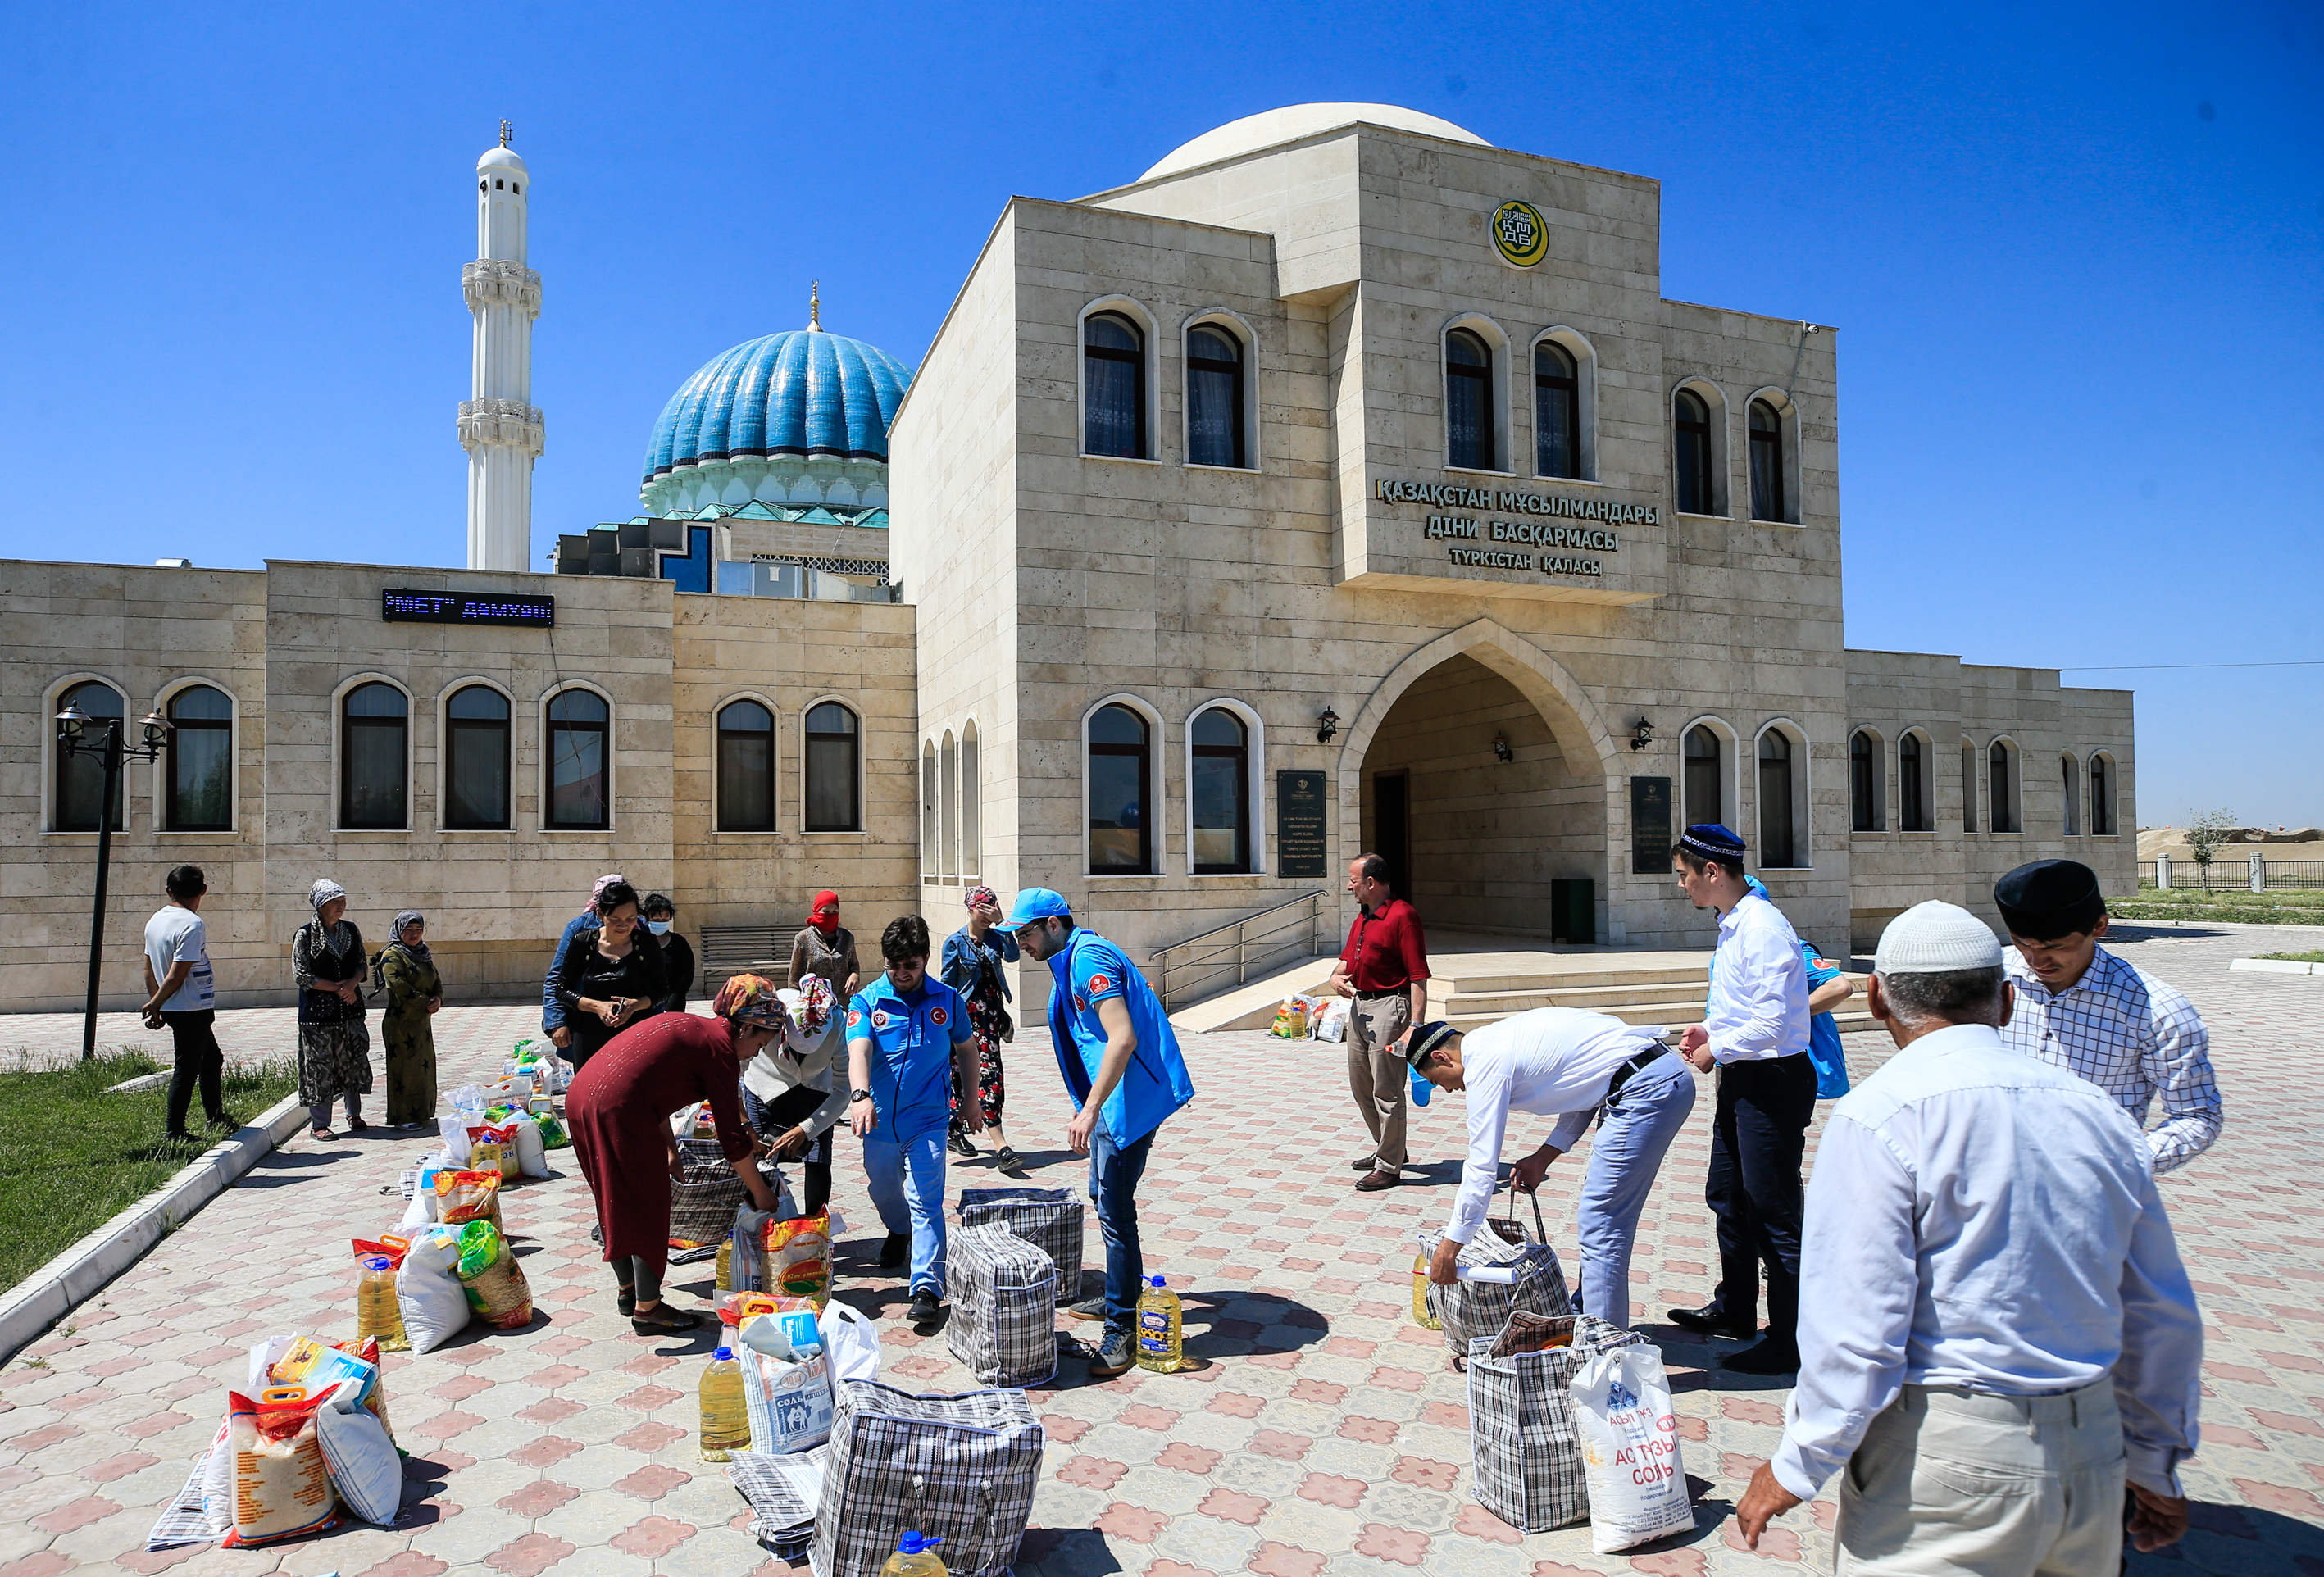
x: 1403, y: 990
x: 1637, y: 1064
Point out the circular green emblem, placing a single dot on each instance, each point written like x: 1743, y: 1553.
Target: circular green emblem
x: 1519, y: 234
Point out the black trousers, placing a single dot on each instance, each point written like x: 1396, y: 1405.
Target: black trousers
x: 786, y: 1112
x: 1754, y: 1189
x: 198, y: 1058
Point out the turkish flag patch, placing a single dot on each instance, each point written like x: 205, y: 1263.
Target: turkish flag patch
x: 937, y: 1016
x: 1098, y: 985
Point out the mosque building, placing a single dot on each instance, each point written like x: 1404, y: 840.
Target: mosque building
x: 1341, y: 482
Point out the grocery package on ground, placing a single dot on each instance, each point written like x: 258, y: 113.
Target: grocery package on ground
x: 428, y: 1290
x: 1521, y: 1429
x: 786, y: 1383
x: 1629, y: 1448
x: 366, y: 1470
x: 725, y: 1419
x: 1331, y: 1023
x: 491, y: 1277
x: 281, y: 1485
x: 961, y: 1467
x: 797, y: 1257
x: 1291, y: 1017
x: 1049, y: 1218
x: 702, y: 1204
x: 378, y: 1315
x: 1161, y: 1338
x: 464, y: 1196
x: 1004, y: 1307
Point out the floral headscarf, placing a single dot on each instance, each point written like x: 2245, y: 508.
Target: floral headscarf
x: 598, y: 890
x: 978, y: 895
x: 324, y: 890
x: 810, y: 1008
x: 751, y: 998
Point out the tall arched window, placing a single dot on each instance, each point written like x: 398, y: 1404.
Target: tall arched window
x: 834, y: 787
x: 80, y: 778
x: 972, y: 808
x: 476, y: 760
x: 2101, y: 796
x: 1113, y: 386
x: 1775, y: 847
x: 1690, y: 442
x: 1120, y: 776
x: 1214, y: 397
x: 2003, y: 808
x: 746, y: 767
x: 580, y: 750
x: 1864, y: 783
x: 1704, y: 778
x: 929, y: 858
x: 373, y: 747
x: 1468, y: 400
x: 1968, y: 787
x: 1766, y: 463
x: 1220, y: 793
x: 198, y: 795
x: 1557, y: 412
x: 948, y: 805
x: 1915, y: 815
x: 2073, y: 817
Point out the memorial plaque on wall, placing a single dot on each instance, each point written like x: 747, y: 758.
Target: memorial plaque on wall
x: 1650, y: 826
x: 1299, y: 825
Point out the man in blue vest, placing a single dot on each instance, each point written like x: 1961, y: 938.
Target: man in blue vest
x: 1120, y: 1063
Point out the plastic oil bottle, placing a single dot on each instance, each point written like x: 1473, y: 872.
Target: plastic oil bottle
x: 916, y: 1557
x: 726, y: 1278
x: 377, y: 1313
x: 1161, y: 1346
x: 725, y: 1419
x: 1420, y: 1313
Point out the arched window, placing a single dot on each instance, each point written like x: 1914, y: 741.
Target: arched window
x: 1113, y: 386
x: 1775, y: 847
x: 746, y: 767
x: 972, y: 829
x: 2101, y: 796
x: 2002, y: 812
x: 80, y: 778
x: 948, y: 805
x: 1968, y: 787
x: 1766, y: 463
x: 197, y: 794
x: 928, y: 856
x: 579, y: 759
x: 1214, y: 397
x: 1704, y: 777
x: 2073, y: 818
x: 1121, y: 776
x: 834, y: 788
x: 373, y: 746
x: 1915, y: 815
x: 1468, y: 400
x: 1864, y: 783
x: 1220, y: 793
x: 476, y: 760
x: 1691, y: 441
x: 1557, y: 412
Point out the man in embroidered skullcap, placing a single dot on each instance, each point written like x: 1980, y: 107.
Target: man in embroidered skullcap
x: 2086, y: 1008
x: 1990, y: 1290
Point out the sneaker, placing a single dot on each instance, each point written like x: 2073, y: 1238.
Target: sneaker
x: 896, y: 1251
x: 925, y: 1309
x: 1006, y: 1159
x: 961, y: 1145
x: 1089, y: 1308
x: 1113, y: 1356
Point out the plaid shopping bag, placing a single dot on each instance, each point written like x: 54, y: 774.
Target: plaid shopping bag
x: 1050, y: 1217
x: 1521, y: 1432
x: 1004, y: 1307
x: 1471, y: 1309
x: 702, y: 1206
x: 963, y: 1467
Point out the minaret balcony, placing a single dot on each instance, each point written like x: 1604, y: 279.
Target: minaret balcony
x: 493, y: 280
x: 509, y: 423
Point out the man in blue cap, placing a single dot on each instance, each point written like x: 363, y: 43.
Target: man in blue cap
x: 1120, y: 1063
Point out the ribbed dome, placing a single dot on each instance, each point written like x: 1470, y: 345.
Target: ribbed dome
x: 803, y: 392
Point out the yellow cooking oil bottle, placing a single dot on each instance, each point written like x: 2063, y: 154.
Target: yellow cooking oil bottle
x: 1420, y: 1314
x: 1161, y: 1346
x: 725, y: 1279
x: 377, y: 1313
x: 916, y: 1557
x: 725, y: 1419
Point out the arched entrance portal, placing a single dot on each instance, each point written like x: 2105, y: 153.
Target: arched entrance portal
x: 1478, y: 843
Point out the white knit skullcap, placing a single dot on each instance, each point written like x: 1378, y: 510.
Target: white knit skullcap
x: 1933, y: 937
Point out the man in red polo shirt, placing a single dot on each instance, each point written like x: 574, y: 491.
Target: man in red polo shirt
x: 1384, y: 968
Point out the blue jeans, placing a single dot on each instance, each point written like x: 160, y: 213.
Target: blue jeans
x: 1113, y: 1182
x: 1634, y: 1132
x: 907, y: 1188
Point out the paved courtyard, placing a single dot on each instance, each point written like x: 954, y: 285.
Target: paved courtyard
x: 1321, y: 1433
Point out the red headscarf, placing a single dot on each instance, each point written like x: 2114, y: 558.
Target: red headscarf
x: 825, y: 913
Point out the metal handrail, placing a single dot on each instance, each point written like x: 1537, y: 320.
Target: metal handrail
x: 1235, y: 939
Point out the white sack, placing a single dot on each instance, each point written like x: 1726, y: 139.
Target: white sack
x: 850, y: 1341
x: 1630, y: 1449
x: 365, y: 1468
x: 532, y: 1154
x: 428, y: 1291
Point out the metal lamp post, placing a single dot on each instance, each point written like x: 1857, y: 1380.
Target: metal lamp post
x: 76, y: 738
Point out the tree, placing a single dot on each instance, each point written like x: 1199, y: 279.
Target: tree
x: 2207, y: 832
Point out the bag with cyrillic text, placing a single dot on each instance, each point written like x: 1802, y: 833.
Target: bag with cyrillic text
x: 1629, y: 1448
x: 1522, y: 1434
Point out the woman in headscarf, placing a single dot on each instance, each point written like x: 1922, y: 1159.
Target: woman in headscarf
x: 619, y: 1109
x: 611, y: 977
x: 326, y: 963
x: 414, y: 992
x: 972, y: 958
x: 825, y: 948
x: 788, y: 1090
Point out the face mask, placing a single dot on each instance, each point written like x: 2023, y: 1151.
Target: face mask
x: 659, y: 928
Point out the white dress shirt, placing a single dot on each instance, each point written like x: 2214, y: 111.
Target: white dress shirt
x: 2132, y: 1036
x: 1758, y: 986
x: 1552, y: 1061
x: 1983, y: 1219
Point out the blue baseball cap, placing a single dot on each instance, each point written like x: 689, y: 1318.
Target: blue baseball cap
x: 1037, y: 903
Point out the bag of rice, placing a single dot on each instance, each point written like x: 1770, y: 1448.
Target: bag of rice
x: 361, y: 1459
x: 428, y: 1289
x: 462, y: 1197
x: 493, y: 1280
x: 281, y: 1485
x: 553, y: 1136
x: 797, y: 1261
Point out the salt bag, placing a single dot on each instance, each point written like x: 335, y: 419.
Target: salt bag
x: 364, y: 1469
x: 1630, y: 1449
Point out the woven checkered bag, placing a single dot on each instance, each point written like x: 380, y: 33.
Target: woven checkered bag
x: 1004, y: 1307
x: 1471, y: 1309
x: 963, y: 1467
x: 1050, y: 1217
x: 1521, y: 1432
x: 702, y: 1206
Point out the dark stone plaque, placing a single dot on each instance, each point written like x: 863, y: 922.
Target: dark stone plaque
x: 1300, y: 823
x: 1650, y: 826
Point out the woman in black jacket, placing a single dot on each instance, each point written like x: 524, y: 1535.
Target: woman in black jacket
x: 612, y: 977
x: 676, y: 952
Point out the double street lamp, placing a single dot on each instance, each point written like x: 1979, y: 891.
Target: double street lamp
x: 80, y: 734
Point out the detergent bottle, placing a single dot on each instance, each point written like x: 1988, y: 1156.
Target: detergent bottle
x: 916, y: 1557
x: 1160, y: 1345
x: 725, y: 1418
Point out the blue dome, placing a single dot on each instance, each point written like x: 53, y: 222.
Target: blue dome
x: 803, y: 392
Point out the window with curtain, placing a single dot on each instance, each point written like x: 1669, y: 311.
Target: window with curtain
x: 374, y: 739
x: 1912, y: 785
x: 1775, y: 847
x: 1704, y: 787
x: 1113, y: 386
x: 948, y: 805
x: 1468, y: 400
x: 1766, y: 463
x: 746, y: 767
x: 476, y: 760
x: 1691, y: 443
x: 1120, y: 773
x: 2101, y: 796
x: 580, y: 797
x: 80, y: 778
x: 1557, y: 411
x: 972, y: 793
x: 927, y: 810
x: 834, y: 797
x: 1863, y: 783
x: 197, y: 794
x: 2073, y: 817
x: 1968, y: 787
x: 1220, y: 793
x: 2003, y: 811
x: 1214, y: 397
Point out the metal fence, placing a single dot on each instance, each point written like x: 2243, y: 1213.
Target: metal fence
x: 2231, y: 872
x: 1231, y: 953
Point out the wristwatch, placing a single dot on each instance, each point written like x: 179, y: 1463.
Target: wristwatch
x: 855, y: 1096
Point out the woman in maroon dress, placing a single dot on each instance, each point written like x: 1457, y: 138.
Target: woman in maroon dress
x: 619, y: 1109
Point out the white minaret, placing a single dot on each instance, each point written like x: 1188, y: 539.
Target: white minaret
x: 501, y: 427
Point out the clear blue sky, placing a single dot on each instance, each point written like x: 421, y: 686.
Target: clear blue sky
x: 2074, y: 254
